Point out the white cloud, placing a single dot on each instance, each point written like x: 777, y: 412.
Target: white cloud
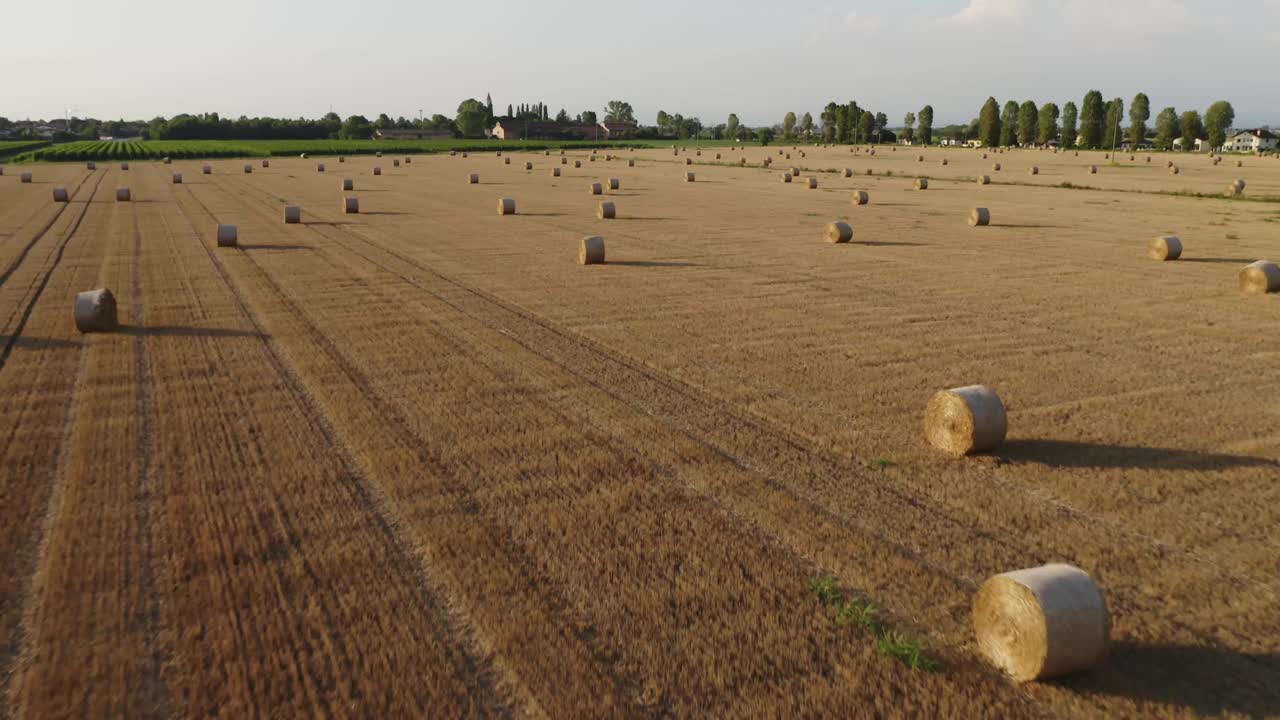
x: 988, y: 11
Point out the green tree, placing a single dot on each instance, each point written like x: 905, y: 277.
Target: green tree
x: 1166, y: 128
x: 383, y: 122
x: 788, y: 126
x: 1091, y: 120
x: 1009, y: 124
x: 828, y: 118
x: 1217, y: 120
x: 806, y: 125
x: 866, y: 125
x: 908, y: 126
x: 1115, y: 111
x: 587, y: 117
x: 1069, y: 132
x: 765, y: 135
x: 619, y: 111
x: 1028, y: 116
x: 488, y: 106
x: 562, y: 116
x: 926, y: 125
x: 1192, y: 130
x: 731, y: 127
x: 356, y: 127
x: 1048, y: 123
x: 1139, y: 113
x: 471, y: 118
x: 989, y: 123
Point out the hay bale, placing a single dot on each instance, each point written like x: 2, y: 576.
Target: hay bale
x: 555, y: 172
x: 464, y: 156
x: 87, y: 166
x: 378, y: 154
x: 377, y: 169
x: 944, y: 162
x: 786, y: 177
x: 919, y: 158
x: 995, y: 167
x: 60, y: 194
x: 545, y: 153
x: 631, y: 162
x: 528, y: 165
x: 407, y: 160
x: 1148, y: 158
x: 1239, y: 163
x: 472, y: 179
x: 25, y: 178
x: 1238, y: 183
x: 860, y: 197
x: 1260, y: 277
x: 1093, y: 169
x: 1035, y: 170
x: 206, y: 170
x: 123, y: 195
x: 698, y: 153
x: 342, y: 159
x: 292, y: 215
x: 266, y: 163
x: 922, y: 183
x: 837, y: 232
x: 596, y: 189
x: 788, y: 156
x: 688, y: 177
x: 248, y: 169
x: 869, y: 172
x: 506, y: 206
x: 395, y: 163
x: 795, y: 171
x: 577, y: 163
x: 688, y: 161
x: 591, y: 251
x: 984, y: 179
x: 1132, y: 158
x: 966, y: 420
x: 124, y: 166
x: 177, y: 178
x: 606, y: 211
x: 303, y: 156
x: 717, y: 156
x: 227, y: 235
x: 1106, y: 156
x: 1042, y: 622
x: 812, y: 182
x: 564, y: 161
x: 979, y: 217
x: 984, y: 156
x: 1165, y: 247
x: 614, y: 183
x: 95, y: 311
x: 1168, y: 163
x: 453, y: 153
x: 1174, y: 170
x: 350, y: 205
x: 847, y: 172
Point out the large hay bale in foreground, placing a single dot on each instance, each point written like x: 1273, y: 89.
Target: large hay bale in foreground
x: 591, y: 252
x: 860, y: 197
x: 1042, y: 622
x: 966, y: 420
x: 292, y: 215
x: 606, y: 211
x: 922, y: 183
x: 837, y: 232
x: 95, y: 311
x: 984, y: 179
x: 506, y: 206
x: 350, y: 205
x: 596, y: 188
x: 1260, y: 277
x: 688, y: 177
x: 227, y: 235
x: 60, y: 194
x: 979, y: 216
x: 1165, y: 247
x: 123, y: 195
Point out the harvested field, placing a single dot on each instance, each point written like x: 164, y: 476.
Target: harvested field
x: 366, y: 464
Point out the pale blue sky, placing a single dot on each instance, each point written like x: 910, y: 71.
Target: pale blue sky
x: 758, y: 58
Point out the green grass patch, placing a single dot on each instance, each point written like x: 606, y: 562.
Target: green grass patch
x: 879, y: 463
x: 861, y: 613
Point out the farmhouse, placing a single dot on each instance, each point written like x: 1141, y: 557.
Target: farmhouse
x: 507, y: 128
x: 611, y: 130
x: 1256, y: 140
x: 412, y: 134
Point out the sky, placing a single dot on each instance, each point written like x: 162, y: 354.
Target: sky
x: 706, y: 58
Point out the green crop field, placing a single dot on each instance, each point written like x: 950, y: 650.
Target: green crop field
x: 13, y: 147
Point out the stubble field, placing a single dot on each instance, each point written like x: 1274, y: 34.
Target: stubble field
x: 418, y: 462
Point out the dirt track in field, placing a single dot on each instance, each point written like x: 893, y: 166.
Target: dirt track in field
x: 417, y: 461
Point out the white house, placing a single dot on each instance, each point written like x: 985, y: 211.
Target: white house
x: 1250, y: 141
x: 1201, y: 145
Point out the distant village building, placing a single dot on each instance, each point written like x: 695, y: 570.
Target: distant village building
x: 518, y: 129
x: 611, y: 130
x: 1256, y: 140
x: 412, y: 134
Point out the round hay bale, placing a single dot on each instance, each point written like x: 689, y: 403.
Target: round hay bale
x: 342, y: 159
x: 506, y: 206
x: 350, y: 205
x: 869, y: 172
x: 786, y: 177
x: 847, y: 172
x: 688, y: 161
x: 1042, y: 622
x: 25, y: 178
x: 1148, y: 158
x: 606, y: 211
x: 60, y: 194
x: 227, y: 235
x: 206, y: 170
x: 944, y: 162
x: 528, y: 165
x: 596, y: 189
x: 123, y: 195
x: 1132, y: 158
x: 124, y: 166
x: 1168, y: 163
x: 995, y: 167
x: 407, y: 160
x: 838, y: 231
x: 860, y: 197
x: 591, y: 252
x: 348, y: 184
x: 984, y: 156
x: 545, y: 153
x: 1174, y: 170
x: 292, y: 215
x: 979, y: 217
x: 95, y: 311
x: 922, y: 183
x: 1239, y: 163
x: 1260, y: 277
x: 984, y: 179
x: 303, y: 156
x: 378, y: 154
x: 873, y: 150
x: 1165, y: 247
x: 1106, y: 156
x: 177, y: 178
x: 577, y: 163
x: 453, y: 153
x: 788, y: 156
x: 464, y: 156
x: 1093, y: 169
x: 717, y: 156
x: 919, y: 158
x: 614, y: 183
x: 1035, y: 170
x: 608, y: 158
x: 698, y: 153
x: 1238, y: 183
x: 87, y: 166
x: 473, y: 179
x: 795, y: 171
x: 555, y: 172
x: 266, y: 163
x: 966, y: 420
x: 564, y: 161
x: 377, y: 169
x: 248, y: 169
x: 812, y: 182
x: 395, y: 162
x: 688, y: 177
